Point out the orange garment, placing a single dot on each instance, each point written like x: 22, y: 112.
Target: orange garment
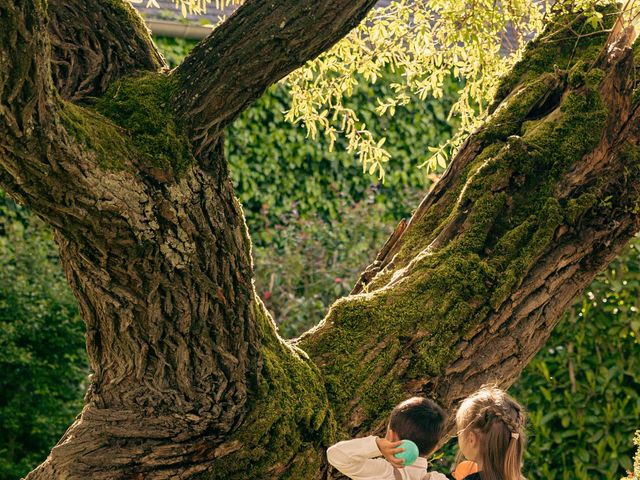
x: 465, y: 468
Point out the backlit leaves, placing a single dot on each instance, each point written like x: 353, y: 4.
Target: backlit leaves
x: 427, y: 42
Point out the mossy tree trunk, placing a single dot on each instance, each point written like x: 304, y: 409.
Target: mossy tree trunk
x: 190, y: 379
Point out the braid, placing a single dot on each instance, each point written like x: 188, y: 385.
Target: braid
x: 485, y: 416
x: 499, y: 421
x: 513, y: 426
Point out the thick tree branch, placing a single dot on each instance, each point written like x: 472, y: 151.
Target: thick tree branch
x: 54, y: 154
x: 25, y: 85
x: 157, y: 253
x: 535, y: 204
x: 258, y: 45
x: 96, y: 42
x: 28, y: 106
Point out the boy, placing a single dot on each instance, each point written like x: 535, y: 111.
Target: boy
x: 417, y: 419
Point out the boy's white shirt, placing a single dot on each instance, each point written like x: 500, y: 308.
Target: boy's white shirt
x: 357, y: 459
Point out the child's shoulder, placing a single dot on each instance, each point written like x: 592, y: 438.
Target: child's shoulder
x: 466, y: 471
x: 436, y: 476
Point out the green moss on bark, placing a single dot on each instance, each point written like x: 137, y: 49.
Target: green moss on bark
x: 108, y: 142
x: 289, y: 423
x: 508, y: 119
x: 134, y: 20
x: 133, y: 126
x: 142, y: 106
x: 506, y: 216
x: 568, y: 40
x: 372, y: 341
x: 577, y: 207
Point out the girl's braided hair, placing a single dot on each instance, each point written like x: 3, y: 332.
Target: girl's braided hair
x: 499, y: 422
x: 509, y: 416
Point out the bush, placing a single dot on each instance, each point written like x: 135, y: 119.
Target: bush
x: 311, y: 262
x: 277, y: 171
x: 174, y: 49
x: 42, y: 351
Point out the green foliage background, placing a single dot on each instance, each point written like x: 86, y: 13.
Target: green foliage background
x: 269, y: 156
x: 582, y: 424
x: 280, y: 174
x: 316, y: 221
x: 42, y: 354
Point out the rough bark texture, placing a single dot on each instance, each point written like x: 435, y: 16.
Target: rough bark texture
x: 92, y: 46
x: 261, y: 43
x: 190, y: 379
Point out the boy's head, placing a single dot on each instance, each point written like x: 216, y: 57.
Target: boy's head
x: 420, y: 420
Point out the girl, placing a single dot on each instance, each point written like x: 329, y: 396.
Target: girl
x: 491, y: 434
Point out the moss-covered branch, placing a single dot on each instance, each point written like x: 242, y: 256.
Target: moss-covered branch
x: 533, y: 206
x: 54, y: 155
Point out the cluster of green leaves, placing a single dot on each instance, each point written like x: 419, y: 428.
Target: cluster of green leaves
x: 277, y: 171
x: 425, y: 42
x: 42, y: 351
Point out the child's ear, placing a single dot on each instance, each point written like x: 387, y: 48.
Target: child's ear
x: 392, y: 436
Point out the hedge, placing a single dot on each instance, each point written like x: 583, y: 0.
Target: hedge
x: 42, y: 350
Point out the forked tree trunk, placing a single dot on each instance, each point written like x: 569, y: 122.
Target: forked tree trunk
x: 191, y: 380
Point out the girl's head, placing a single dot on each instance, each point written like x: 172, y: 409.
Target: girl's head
x: 491, y: 433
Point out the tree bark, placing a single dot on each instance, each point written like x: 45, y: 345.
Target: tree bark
x: 91, y: 46
x: 190, y: 379
x: 226, y: 72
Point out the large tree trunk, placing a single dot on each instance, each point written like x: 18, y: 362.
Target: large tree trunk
x: 124, y: 160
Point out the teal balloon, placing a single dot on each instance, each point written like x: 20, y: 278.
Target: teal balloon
x: 410, y: 453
